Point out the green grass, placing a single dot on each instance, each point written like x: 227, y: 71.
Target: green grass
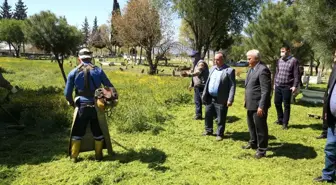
x: 166, y: 149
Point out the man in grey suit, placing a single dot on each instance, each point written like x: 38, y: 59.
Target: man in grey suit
x: 218, y: 95
x: 257, y: 102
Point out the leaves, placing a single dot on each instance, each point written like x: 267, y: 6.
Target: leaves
x: 52, y: 34
x: 210, y: 21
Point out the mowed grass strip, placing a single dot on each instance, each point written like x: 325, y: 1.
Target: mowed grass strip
x: 167, y: 146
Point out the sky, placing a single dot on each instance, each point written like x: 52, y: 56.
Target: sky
x: 76, y: 10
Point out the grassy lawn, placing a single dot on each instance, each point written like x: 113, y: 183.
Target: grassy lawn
x: 161, y: 144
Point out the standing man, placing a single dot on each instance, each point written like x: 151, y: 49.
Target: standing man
x: 86, y: 78
x: 199, y: 74
x: 286, y: 83
x: 218, y: 95
x: 258, y: 88
x: 328, y: 173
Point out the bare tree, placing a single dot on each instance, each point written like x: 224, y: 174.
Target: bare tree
x: 145, y: 24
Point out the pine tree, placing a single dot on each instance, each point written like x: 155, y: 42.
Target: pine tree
x: 86, y: 31
x: 5, y: 11
x: 115, y: 12
x: 20, y: 10
x: 116, y: 7
x: 95, y: 26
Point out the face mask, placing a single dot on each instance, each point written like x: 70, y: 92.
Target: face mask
x: 282, y: 54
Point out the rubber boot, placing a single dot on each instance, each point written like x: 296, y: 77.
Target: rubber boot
x: 75, y: 147
x: 99, y: 149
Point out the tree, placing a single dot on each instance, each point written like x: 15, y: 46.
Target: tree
x: 115, y: 40
x: 20, y: 12
x: 317, y: 20
x: 6, y: 12
x: 225, y: 15
x: 140, y: 26
x: 95, y: 25
x: 238, y: 49
x: 53, y: 34
x: 101, y: 37
x: 186, y: 36
x: 275, y: 26
x: 11, y: 31
x: 86, y: 32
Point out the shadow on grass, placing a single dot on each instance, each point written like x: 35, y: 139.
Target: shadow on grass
x: 232, y: 119
x: 315, y: 126
x: 240, y: 83
x: 292, y: 150
x: 3, y: 70
x: 154, y: 157
x: 307, y: 104
x: 45, y: 137
x: 243, y: 136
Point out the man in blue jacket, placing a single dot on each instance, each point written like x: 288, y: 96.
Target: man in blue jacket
x: 86, y: 78
x: 218, y: 95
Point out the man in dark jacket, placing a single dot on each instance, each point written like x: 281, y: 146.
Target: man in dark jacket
x: 218, y: 95
x: 199, y: 75
x: 328, y: 173
x: 257, y: 102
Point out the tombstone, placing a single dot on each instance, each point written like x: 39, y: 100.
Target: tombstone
x: 304, y: 78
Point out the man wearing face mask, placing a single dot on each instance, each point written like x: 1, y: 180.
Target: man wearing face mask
x: 286, y: 82
x: 199, y: 75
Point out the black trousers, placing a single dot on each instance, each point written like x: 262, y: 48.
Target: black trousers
x: 211, y: 111
x: 283, y: 95
x: 258, y: 130
x: 198, y: 91
x: 85, y: 116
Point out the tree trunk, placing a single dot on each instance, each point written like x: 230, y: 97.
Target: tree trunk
x: 208, y: 57
x: 205, y: 49
x: 16, y: 50
x: 166, y: 61
x: 10, y: 48
x: 273, y: 68
x: 317, y: 66
x: 140, y: 55
x: 153, y: 54
x: 60, y: 64
x: 23, y: 47
x: 152, y: 67
x: 310, y: 74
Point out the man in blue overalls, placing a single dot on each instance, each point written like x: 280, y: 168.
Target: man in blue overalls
x: 86, y: 78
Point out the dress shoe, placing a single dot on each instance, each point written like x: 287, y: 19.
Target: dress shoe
x: 207, y: 133
x: 285, y: 127
x: 259, y: 155
x: 278, y: 122
x: 320, y: 179
x: 249, y: 146
x: 322, y: 136
x: 219, y: 138
x: 198, y: 118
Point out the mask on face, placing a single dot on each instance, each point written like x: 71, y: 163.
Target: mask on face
x: 282, y: 54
